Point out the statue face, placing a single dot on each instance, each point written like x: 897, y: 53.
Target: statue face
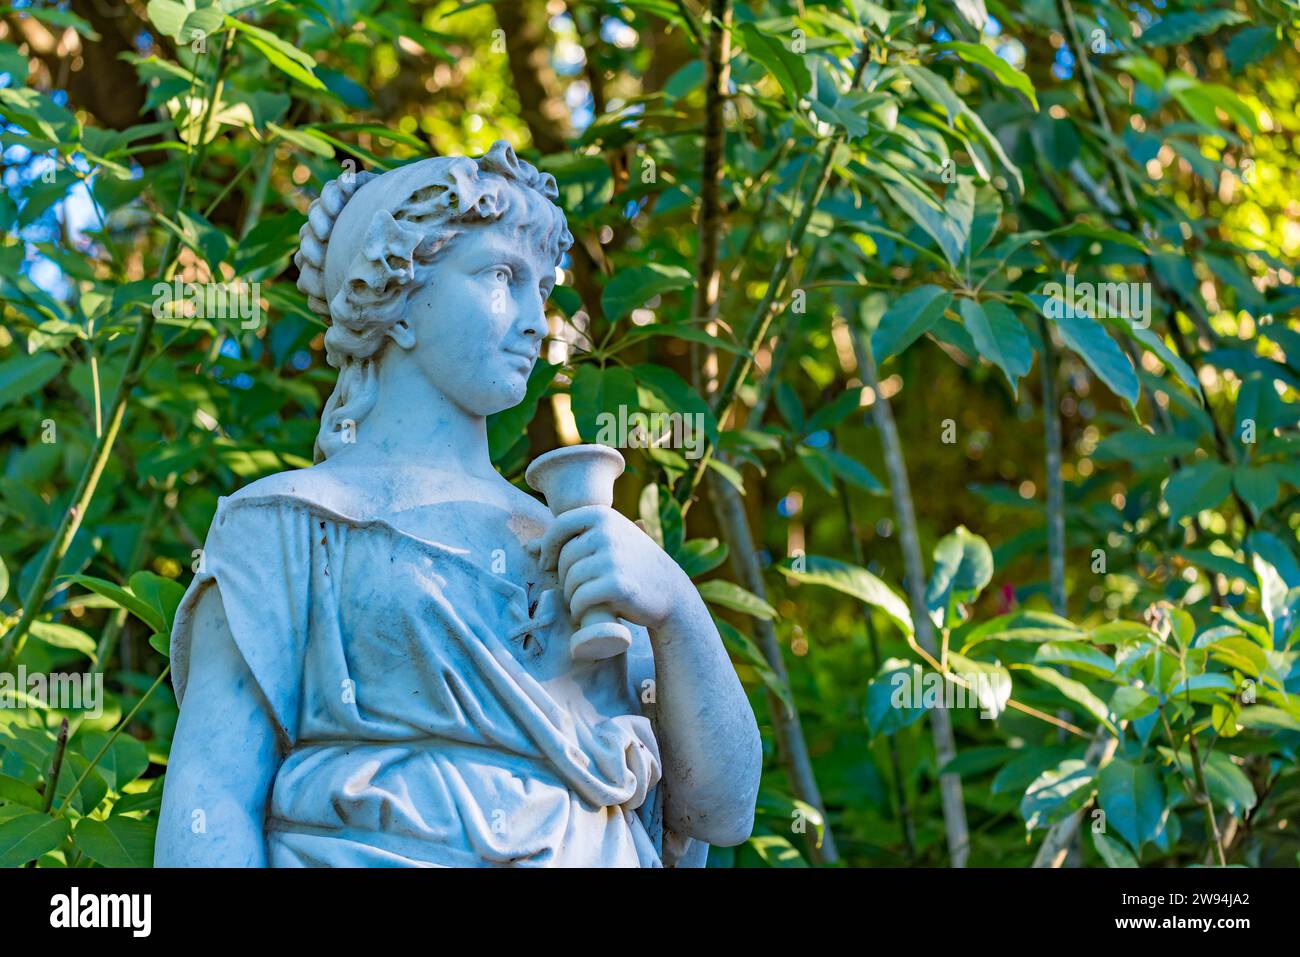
x: 478, y: 324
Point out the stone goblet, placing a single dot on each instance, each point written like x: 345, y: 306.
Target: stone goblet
x: 574, y: 477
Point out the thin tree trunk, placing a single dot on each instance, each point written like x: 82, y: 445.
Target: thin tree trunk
x: 734, y: 524
x: 727, y: 504
x: 895, y: 759
x: 945, y: 746
x: 1055, y: 514
x: 1054, y: 481
x: 757, y: 328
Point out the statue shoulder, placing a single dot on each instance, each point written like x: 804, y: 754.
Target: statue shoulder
x: 318, y: 485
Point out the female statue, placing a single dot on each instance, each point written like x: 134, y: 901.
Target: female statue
x: 373, y: 661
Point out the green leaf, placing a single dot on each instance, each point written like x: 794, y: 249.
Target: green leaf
x: 1057, y: 793
x: 851, y: 470
x: 850, y: 580
x: 124, y: 761
x: 1089, y: 339
x: 1000, y: 338
x: 947, y: 221
x: 963, y: 565
x: 1267, y: 718
x: 681, y: 330
x: 1139, y: 445
x: 28, y: 836
x: 597, y: 395
x: 676, y: 396
x: 648, y: 512
x: 168, y: 16
x: 1133, y: 797
x: 1227, y: 783
x: 64, y: 636
x: 935, y: 90
x: 304, y: 140
x: 1027, y: 625
x: 13, y: 63
x: 1112, y: 852
x: 285, y: 57
x: 634, y: 286
x: 1076, y: 691
x: 1180, y: 27
x: 730, y: 595
x: 22, y: 376
x: 181, y: 21
x: 910, y: 317
x: 775, y: 850
x: 19, y: 792
x: 1250, y: 46
x: 787, y: 67
x: 890, y: 696
x: 1196, y: 488
x: 162, y: 594
x: 701, y: 555
x: 1130, y: 703
x: 1202, y: 100
x: 1076, y: 654
x: 124, y: 598
x: 116, y: 842
x: 1259, y: 485
x: 1002, y: 71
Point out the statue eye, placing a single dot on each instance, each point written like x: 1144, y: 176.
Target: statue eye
x: 502, y: 273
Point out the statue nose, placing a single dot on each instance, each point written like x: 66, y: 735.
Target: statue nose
x: 532, y: 319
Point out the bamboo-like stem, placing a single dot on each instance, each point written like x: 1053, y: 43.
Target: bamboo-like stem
x: 895, y: 759
x: 728, y: 506
x: 34, y: 600
x: 1054, y: 480
x: 954, y: 810
x: 121, y: 726
x: 734, y: 525
x: 108, y: 639
x: 257, y: 198
x: 763, y: 314
x: 1202, y: 791
x: 56, y: 768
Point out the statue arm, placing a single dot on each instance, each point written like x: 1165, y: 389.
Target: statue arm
x: 224, y: 756
x: 708, y: 737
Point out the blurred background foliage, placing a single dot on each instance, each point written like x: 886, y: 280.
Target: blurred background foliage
x: 828, y: 228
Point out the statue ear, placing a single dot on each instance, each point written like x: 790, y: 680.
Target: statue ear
x: 402, y: 333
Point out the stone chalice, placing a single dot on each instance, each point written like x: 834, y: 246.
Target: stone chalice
x: 574, y: 477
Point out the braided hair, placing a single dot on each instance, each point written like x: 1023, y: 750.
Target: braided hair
x: 370, y: 241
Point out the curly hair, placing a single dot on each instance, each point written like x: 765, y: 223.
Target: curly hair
x: 370, y: 240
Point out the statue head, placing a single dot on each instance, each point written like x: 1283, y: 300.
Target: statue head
x: 445, y: 263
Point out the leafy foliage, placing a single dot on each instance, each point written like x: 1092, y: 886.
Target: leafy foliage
x: 1082, y: 322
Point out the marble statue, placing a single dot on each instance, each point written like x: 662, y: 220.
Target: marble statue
x: 396, y: 657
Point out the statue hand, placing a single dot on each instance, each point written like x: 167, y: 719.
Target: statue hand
x: 603, y: 559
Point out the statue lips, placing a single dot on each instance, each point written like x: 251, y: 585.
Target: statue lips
x: 526, y: 359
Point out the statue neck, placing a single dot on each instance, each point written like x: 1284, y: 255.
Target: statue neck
x: 414, y: 423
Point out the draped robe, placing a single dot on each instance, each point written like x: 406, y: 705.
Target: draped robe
x: 428, y: 708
